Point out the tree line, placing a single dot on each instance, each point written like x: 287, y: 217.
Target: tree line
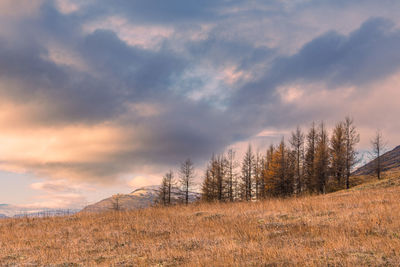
x: 302, y: 165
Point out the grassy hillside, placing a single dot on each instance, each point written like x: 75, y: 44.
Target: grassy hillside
x: 389, y: 161
x: 356, y: 227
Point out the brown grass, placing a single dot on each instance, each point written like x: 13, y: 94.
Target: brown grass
x: 356, y: 227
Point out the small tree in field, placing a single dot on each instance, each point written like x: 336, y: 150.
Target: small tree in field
x: 186, y: 173
x: 338, y: 152
x: 297, y: 143
x: 165, y: 190
x: 321, y: 160
x: 247, y: 174
x: 309, y: 166
x: 231, y: 175
x: 116, y: 202
x: 378, y: 147
x: 351, y: 139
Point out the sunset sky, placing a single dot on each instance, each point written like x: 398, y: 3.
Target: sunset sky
x: 99, y: 97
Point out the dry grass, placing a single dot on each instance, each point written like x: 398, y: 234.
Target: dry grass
x: 357, y: 227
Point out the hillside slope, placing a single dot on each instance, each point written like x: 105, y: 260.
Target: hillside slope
x: 358, y: 227
x: 390, y: 161
x: 140, y: 198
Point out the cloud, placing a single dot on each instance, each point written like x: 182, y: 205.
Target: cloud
x: 87, y: 96
x: 17, y: 8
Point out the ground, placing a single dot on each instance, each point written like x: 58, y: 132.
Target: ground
x: 358, y: 227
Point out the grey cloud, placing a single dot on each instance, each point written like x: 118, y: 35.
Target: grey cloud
x: 366, y: 55
x: 158, y: 11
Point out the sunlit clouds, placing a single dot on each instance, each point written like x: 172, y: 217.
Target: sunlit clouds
x: 99, y: 94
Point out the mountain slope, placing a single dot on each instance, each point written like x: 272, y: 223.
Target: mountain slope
x: 390, y: 161
x: 8, y: 211
x: 140, y: 198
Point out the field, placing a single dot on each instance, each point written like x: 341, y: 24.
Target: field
x: 358, y: 227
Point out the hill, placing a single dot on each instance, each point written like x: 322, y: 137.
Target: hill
x: 358, y: 227
x: 140, y: 198
x: 390, y: 161
x: 8, y: 210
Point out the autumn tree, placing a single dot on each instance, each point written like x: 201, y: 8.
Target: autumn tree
x: 280, y: 180
x: 351, y: 139
x: 267, y: 171
x: 378, y: 147
x: 186, y: 175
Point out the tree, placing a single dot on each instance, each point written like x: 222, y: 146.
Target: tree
x: 309, y: 168
x: 337, y: 150
x: 258, y: 176
x: 231, y: 175
x: 219, y: 173
x: 116, y: 202
x: 267, y: 172
x: 297, y: 143
x: 351, y: 140
x: 208, y: 186
x: 186, y: 178
x: 321, y: 159
x: 166, y: 187
x: 280, y: 173
x: 169, y: 177
x: 378, y: 147
x: 163, y: 192
x: 247, y: 174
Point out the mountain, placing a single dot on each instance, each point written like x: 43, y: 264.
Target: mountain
x: 140, y: 198
x: 7, y: 211
x: 46, y: 213
x: 390, y: 161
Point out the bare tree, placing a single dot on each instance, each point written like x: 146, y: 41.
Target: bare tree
x: 186, y: 173
x: 338, y: 152
x: 207, y: 188
x: 321, y: 160
x: 378, y: 147
x: 231, y: 175
x: 164, y: 192
x: 297, y: 143
x: 351, y: 139
x: 116, y: 202
x: 169, y: 177
x: 247, y: 174
x: 309, y: 166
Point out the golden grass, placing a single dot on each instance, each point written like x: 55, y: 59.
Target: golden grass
x: 347, y: 228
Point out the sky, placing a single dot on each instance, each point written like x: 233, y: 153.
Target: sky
x: 99, y: 97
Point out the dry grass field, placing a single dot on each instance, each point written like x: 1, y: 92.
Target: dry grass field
x: 359, y: 227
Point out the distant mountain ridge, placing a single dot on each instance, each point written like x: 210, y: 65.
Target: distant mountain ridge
x: 140, y: 198
x: 390, y: 161
x: 10, y: 211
